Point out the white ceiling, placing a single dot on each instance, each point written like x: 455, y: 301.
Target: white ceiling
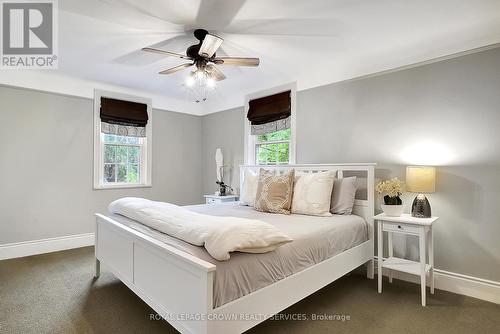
x: 312, y: 42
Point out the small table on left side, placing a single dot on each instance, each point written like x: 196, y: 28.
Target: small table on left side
x: 211, y: 199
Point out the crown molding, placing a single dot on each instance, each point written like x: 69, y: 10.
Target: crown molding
x: 54, y: 82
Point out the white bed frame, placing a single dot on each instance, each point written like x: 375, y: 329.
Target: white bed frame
x: 179, y: 286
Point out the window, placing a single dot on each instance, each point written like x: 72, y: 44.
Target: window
x: 273, y: 125
x: 273, y: 148
x: 122, y: 150
x: 122, y: 157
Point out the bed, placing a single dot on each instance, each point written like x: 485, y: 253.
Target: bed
x: 198, y: 294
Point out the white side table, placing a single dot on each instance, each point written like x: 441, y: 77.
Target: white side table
x: 406, y: 224
x: 211, y: 199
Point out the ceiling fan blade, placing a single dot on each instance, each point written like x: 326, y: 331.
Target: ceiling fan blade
x: 176, y: 69
x: 236, y: 61
x: 286, y: 27
x: 166, y: 53
x: 137, y: 57
x: 168, y: 11
x: 210, y: 44
x: 215, y: 73
x: 217, y: 14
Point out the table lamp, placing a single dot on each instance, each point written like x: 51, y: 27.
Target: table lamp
x: 421, y: 179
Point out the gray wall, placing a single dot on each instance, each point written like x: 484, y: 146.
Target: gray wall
x: 447, y: 112
x: 224, y: 129
x: 46, y: 165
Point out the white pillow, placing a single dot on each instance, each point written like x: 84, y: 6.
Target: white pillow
x: 249, y: 191
x: 344, y: 191
x: 312, y: 193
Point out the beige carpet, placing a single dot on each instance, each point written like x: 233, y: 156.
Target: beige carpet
x: 55, y: 293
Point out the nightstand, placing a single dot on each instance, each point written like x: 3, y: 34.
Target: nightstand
x: 211, y: 199
x: 406, y: 224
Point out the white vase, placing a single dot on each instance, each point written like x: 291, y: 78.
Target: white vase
x: 393, y: 210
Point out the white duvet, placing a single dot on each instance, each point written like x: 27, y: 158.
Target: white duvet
x: 219, y: 235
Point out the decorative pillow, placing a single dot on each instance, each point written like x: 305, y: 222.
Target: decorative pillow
x: 344, y: 191
x: 312, y: 193
x: 274, y: 192
x: 249, y: 191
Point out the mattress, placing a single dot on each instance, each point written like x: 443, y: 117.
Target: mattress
x: 315, y: 239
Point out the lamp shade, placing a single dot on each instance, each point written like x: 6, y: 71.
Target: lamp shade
x: 210, y: 44
x: 420, y: 179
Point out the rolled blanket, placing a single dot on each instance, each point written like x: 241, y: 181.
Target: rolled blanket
x: 219, y: 235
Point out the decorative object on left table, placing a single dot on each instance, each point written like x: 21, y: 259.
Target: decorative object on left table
x: 223, y: 188
x: 392, y: 190
x: 219, y: 162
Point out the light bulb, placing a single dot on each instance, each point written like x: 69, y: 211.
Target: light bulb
x: 210, y: 83
x: 200, y: 84
x: 199, y: 75
x: 190, y: 81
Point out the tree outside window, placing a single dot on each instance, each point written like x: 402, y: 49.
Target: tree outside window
x: 273, y: 148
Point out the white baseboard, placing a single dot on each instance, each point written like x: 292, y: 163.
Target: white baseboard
x: 456, y: 283
x: 27, y: 248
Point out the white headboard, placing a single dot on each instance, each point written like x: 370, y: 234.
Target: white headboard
x: 364, y: 204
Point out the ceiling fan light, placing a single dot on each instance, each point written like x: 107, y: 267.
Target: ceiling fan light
x: 211, y: 82
x: 199, y: 75
x: 190, y: 81
x: 210, y: 44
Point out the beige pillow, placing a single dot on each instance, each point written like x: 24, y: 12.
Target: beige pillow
x: 274, y: 192
x: 312, y: 193
x: 343, y: 194
x: 249, y: 191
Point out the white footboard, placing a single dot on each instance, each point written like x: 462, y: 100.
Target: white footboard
x: 175, y: 284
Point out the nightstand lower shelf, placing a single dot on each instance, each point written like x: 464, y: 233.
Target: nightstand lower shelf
x: 403, y: 265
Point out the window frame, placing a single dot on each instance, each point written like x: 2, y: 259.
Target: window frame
x: 250, y: 144
x: 145, y: 164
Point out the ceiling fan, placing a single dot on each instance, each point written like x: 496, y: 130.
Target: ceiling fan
x: 203, y: 56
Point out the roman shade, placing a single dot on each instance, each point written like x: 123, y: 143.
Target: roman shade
x: 269, y: 114
x: 123, y: 118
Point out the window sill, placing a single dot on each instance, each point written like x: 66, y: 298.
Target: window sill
x: 121, y: 186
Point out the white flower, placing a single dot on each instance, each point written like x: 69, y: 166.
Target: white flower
x: 393, y: 187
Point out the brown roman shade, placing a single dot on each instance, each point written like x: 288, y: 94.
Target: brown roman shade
x: 123, y: 118
x: 271, y: 113
x: 123, y: 112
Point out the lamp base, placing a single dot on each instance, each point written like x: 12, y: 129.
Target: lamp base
x: 421, y: 207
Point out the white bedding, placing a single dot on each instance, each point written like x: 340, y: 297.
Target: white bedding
x: 315, y: 239
x: 219, y: 235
